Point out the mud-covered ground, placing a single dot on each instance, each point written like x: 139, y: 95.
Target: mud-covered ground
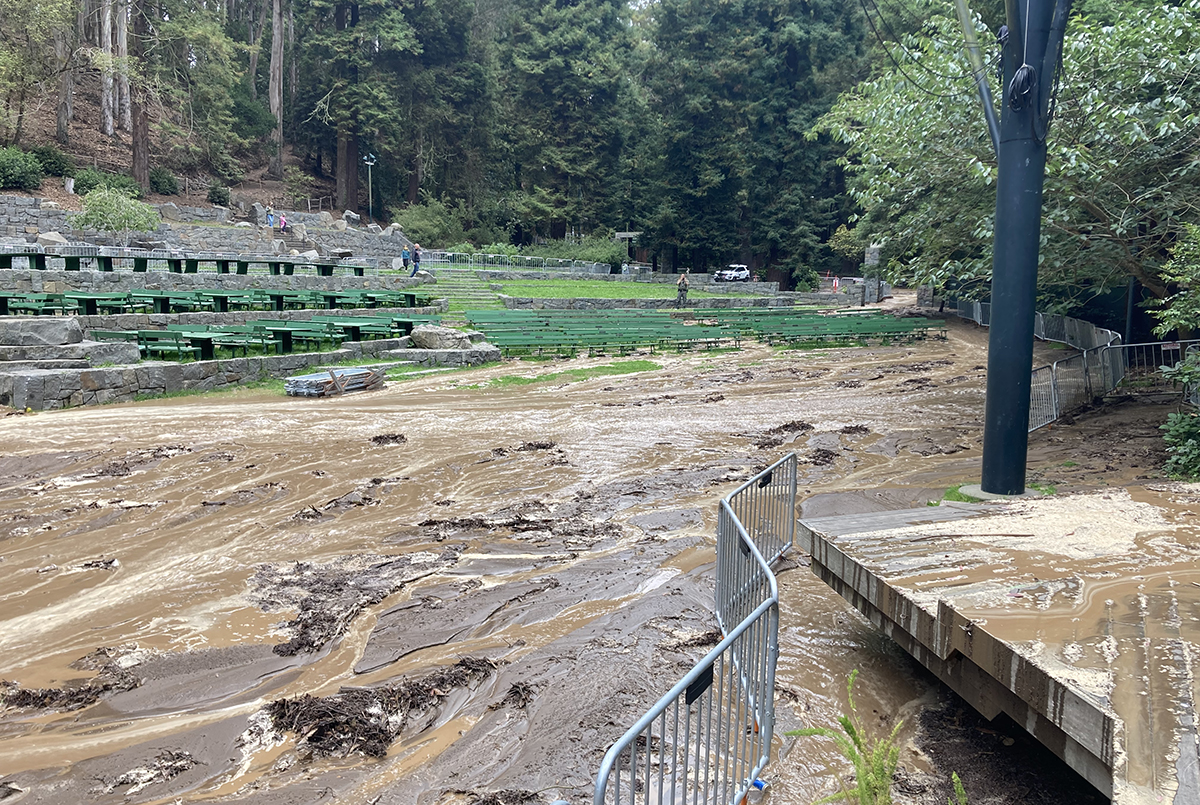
x: 452, y: 592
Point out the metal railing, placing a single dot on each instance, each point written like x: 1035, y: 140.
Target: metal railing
x: 1070, y: 383
x: 709, y: 737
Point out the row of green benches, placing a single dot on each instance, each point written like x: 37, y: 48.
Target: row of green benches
x: 279, y: 336
x: 104, y: 258
x: 91, y: 304
x: 518, y: 331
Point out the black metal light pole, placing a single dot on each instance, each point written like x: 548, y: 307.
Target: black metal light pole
x: 1031, y: 56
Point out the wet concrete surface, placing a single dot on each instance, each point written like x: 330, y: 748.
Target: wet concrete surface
x: 236, y: 551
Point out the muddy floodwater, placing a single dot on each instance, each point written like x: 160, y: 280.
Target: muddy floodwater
x: 451, y: 587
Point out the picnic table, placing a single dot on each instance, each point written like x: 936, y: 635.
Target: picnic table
x: 34, y: 254
x: 91, y: 303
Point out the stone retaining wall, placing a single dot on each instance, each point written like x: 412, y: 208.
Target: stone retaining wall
x: 53, y: 281
x: 43, y: 389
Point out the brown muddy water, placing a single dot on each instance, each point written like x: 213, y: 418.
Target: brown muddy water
x: 497, y: 579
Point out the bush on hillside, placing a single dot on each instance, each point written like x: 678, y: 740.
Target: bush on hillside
x: 19, y: 170
x: 91, y: 178
x: 163, y: 182
x: 218, y: 194
x: 430, y: 223
x: 53, y: 161
x: 115, y: 211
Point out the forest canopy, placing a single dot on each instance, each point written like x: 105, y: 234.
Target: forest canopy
x: 786, y: 134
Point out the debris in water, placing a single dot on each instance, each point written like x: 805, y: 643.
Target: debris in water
x: 822, y: 457
x: 537, y: 446
x: 855, y: 430
x: 368, y: 720
x: 388, y: 438
x: 100, y: 564
x: 167, y: 764
x: 114, y: 676
x: 519, y: 695
x: 328, y: 597
x: 511, y: 796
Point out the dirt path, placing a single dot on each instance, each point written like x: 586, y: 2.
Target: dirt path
x: 187, y: 585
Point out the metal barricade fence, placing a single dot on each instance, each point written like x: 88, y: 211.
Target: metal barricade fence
x: 1043, y: 407
x: 1140, y: 364
x: 709, y: 737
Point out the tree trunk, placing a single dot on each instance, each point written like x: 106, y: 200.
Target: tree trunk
x: 138, y: 100
x: 256, y: 35
x: 106, y: 73
x: 66, y: 87
x: 276, y: 87
x: 345, y: 16
x: 122, y: 98
x: 347, y: 170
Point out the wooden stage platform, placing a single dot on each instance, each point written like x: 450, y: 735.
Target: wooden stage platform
x: 1076, y: 615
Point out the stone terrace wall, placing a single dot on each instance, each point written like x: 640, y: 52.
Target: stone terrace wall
x: 33, y: 281
x: 42, y: 389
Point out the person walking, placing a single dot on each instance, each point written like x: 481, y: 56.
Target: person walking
x: 283, y: 222
x: 405, y: 257
x: 416, y: 258
x: 271, y: 218
x: 681, y: 287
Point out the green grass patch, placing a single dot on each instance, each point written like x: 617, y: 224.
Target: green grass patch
x: 575, y: 375
x: 956, y: 495
x: 1070, y: 464
x: 1045, y: 489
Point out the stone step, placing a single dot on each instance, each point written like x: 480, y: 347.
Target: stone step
x: 90, y: 352
x: 21, y: 366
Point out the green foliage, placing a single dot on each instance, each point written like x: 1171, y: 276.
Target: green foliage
x: 806, y: 278
x: 960, y: 793
x: 112, y: 210
x: 956, y: 495
x: 90, y: 178
x: 19, y: 170
x: 298, y: 184
x: 432, y: 224
x: 874, y: 761
x: 218, y: 194
x: 1180, y: 309
x: 1182, y: 436
x: 53, y: 161
x: 163, y: 182
x: 1120, y: 178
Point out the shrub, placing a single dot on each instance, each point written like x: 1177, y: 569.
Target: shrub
x: 874, y: 760
x: 53, y: 161
x: 163, y: 182
x: 1182, y: 435
x: 112, y: 210
x: 19, y: 170
x: 218, y: 194
x: 807, y: 278
x: 89, y: 179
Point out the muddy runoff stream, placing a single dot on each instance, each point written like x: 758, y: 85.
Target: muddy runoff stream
x: 448, y: 590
